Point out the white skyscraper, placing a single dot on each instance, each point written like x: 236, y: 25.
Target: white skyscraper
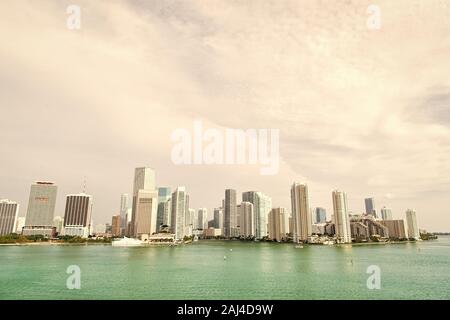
x: 301, y: 215
x: 341, y: 218
x: 247, y: 221
x: 145, y: 202
x: 262, y: 205
x: 411, y: 221
x: 9, y: 212
x: 177, y: 221
x: 58, y: 223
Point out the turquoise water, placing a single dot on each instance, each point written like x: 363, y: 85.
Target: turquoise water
x: 250, y: 271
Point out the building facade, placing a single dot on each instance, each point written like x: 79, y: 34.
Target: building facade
x: 386, y: 214
x: 230, y: 222
x: 341, y: 217
x: 262, y: 205
x: 246, y: 219
x: 177, y: 223
x: 78, y: 215
x: 411, y: 222
x: 277, y: 224
x: 321, y: 215
x: 116, y: 224
x: 164, y: 195
x: 145, y: 202
x: 300, y: 213
x: 370, y: 206
x: 41, y: 209
x: 9, y: 213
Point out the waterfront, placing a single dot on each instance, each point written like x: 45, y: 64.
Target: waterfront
x: 250, y: 271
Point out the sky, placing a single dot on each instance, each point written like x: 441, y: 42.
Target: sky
x: 363, y: 110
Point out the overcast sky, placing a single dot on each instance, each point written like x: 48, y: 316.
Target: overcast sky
x: 365, y: 111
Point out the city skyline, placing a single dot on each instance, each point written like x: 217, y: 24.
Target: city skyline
x: 353, y: 111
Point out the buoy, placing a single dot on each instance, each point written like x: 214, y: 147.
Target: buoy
x: 224, y: 257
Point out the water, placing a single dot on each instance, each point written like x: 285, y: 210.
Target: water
x: 250, y: 271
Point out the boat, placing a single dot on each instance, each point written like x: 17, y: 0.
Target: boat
x: 328, y: 242
x: 298, y: 247
x: 127, y: 242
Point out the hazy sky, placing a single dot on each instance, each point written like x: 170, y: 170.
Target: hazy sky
x: 365, y: 111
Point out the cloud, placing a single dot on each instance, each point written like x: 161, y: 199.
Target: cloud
x: 360, y: 110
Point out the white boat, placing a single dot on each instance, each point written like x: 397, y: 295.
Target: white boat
x: 328, y: 242
x: 127, y: 242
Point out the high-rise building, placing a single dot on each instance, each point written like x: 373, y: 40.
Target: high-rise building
x: 116, y: 225
x: 341, y: 217
x: 78, y: 215
x: 230, y: 222
x: 396, y: 229
x: 177, y: 221
x: 146, y: 207
x: 411, y: 221
x: 164, y: 195
x: 321, y: 215
x: 19, y: 225
x: 370, y: 206
x: 218, y: 218
x: 145, y: 202
x: 246, y: 219
x: 9, y: 212
x: 262, y: 205
x: 277, y: 224
x: 386, y: 213
x: 41, y: 209
x: 124, y: 212
x: 58, y: 223
x: 202, y: 218
x: 300, y: 212
x: 167, y: 209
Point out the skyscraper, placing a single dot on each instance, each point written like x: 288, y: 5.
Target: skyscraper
x: 146, y: 207
x: 262, y: 205
x: 202, y: 218
x: 163, y: 196
x: 321, y: 215
x: 177, y: 221
x: 9, y: 212
x: 386, y: 213
x: 78, y: 215
x: 277, y: 224
x: 370, y: 206
x: 341, y: 218
x: 58, y: 223
x: 411, y: 221
x: 247, y: 221
x: 300, y: 212
x: 230, y: 213
x: 41, y: 209
x: 116, y: 225
x: 145, y: 202
x: 124, y: 211
x: 218, y: 218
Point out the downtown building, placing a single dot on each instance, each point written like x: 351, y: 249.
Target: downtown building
x: 178, y: 213
x: 116, y: 223
x: 412, y: 227
x: 386, y: 213
x: 277, y: 224
x: 78, y: 215
x: 41, y: 210
x: 202, y: 219
x: 262, y: 205
x: 125, y: 214
x: 246, y: 219
x: 341, y: 217
x: 164, y: 195
x: 145, y: 203
x: 370, y: 207
x: 9, y: 213
x: 230, y: 223
x: 301, y: 214
x: 321, y: 215
x: 396, y: 229
x: 218, y: 218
